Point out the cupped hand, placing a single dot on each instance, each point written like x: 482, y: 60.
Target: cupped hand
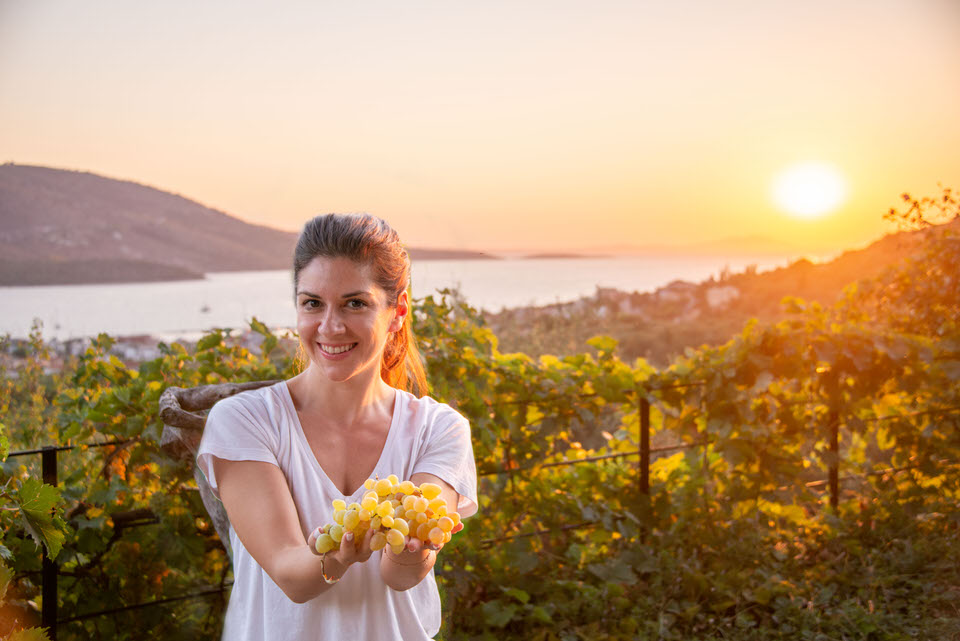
x: 350, y: 551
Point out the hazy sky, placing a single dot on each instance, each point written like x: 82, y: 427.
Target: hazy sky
x: 496, y: 125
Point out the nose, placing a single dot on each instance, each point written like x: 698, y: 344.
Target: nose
x: 331, y: 323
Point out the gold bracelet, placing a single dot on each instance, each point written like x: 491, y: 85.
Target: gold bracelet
x: 390, y: 557
x: 323, y: 572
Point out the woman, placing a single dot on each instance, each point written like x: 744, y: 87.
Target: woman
x: 277, y: 457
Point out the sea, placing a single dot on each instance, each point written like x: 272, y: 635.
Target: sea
x: 185, y: 309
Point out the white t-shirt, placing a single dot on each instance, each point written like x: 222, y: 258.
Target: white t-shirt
x: 262, y: 425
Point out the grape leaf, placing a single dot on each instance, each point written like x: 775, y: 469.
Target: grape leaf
x: 37, y: 502
x: 497, y: 614
x: 29, y: 634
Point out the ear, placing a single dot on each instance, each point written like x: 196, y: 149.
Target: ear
x: 402, y: 309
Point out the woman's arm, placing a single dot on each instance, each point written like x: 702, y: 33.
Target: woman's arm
x: 262, y: 512
x: 405, y: 570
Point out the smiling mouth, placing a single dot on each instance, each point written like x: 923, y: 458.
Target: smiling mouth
x: 333, y: 350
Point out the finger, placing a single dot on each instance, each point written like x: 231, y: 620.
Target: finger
x: 348, y: 548
x: 414, y: 544
x: 312, y: 539
x: 457, y: 527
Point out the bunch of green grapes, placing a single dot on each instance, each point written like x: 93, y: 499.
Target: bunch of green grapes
x: 394, y: 510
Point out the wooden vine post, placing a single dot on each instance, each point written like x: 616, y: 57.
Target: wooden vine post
x: 180, y: 411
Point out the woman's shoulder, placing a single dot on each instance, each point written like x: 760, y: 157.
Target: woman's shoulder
x: 258, y: 401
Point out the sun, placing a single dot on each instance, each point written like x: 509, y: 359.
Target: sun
x: 809, y: 190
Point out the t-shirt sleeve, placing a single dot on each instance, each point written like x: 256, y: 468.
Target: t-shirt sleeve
x: 235, y: 431
x: 447, y: 452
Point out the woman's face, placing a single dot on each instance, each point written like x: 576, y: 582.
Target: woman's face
x: 344, y: 318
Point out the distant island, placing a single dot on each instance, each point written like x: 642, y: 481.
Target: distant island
x: 61, y: 227
x: 559, y: 255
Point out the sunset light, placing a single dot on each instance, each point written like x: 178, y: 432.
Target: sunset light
x: 809, y: 190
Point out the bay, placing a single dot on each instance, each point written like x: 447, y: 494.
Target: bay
x: 231, y: 299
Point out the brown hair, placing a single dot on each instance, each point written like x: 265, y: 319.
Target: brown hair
x: 369, y: 240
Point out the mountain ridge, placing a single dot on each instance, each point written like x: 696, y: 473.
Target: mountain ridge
x: 57, y: 225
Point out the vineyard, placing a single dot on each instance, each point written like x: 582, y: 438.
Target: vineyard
x: 799, y: 481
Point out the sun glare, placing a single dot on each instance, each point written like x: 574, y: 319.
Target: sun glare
x: 809, y: 190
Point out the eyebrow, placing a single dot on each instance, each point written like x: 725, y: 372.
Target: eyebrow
x: 348, y: 295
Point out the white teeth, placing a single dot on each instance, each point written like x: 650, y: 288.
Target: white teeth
x: 332, y: 349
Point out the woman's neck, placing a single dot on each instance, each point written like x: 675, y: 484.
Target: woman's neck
x: 344, y: 402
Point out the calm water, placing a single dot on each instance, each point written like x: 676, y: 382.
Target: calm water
x: 231, y: 299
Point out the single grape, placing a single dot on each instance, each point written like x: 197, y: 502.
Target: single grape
x: 421, y: 517
x: 421, y: 504
x: 408, y: 502
x: 368, y: 484
x: 350, y: 519
x: 445, y: 523
x: 455, y: 516
x: 423, y: 532
x: 369, y: 503
x: 386, y: 521
x: 324, y: 543
x: 365, y: 515
x: 353, y: 506
x: 447, y: 536
x: 430, y: 490
x: 410, y: 515
x: 385, y: 508
x: 336, y: 532
x: 397, y: 549
x: 378, y: 541
x: 436, y: 536
x: 407, y: 487
x: 400, y: 524
x: 383, y: 487
x: 376, y: 522
x: 394, y: 479
x: 395, y: 537
x: 437, y: 503
x: 399, y: 512
x: 339, y: 504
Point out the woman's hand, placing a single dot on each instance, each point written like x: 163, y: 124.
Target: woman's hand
x: 337, y: 562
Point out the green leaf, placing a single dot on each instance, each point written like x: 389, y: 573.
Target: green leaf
x: 214, y: 339
x: 538, y: 613
x: 37, y: 502
x: 517, y: 594
x: 29, y: 634
x: 6, y: 575
x: 603, y: 343
x: 497, y: 614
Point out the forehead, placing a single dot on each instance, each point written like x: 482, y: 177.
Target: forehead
x: 336, y: 276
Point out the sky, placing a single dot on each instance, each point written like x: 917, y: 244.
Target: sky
x: 499, y: 126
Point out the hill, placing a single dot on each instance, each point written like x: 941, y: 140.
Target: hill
x: 67, y: 227
x: 659, y: 325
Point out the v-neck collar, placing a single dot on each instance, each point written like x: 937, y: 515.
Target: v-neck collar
x: 305, y: 444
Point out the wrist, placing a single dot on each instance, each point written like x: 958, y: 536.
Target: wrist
x: 332, y: 569
x: 408, y: 558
